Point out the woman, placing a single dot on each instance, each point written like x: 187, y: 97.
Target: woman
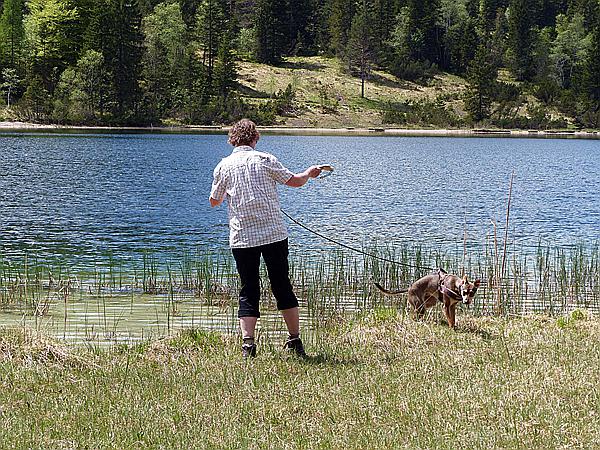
x: 248, y: 180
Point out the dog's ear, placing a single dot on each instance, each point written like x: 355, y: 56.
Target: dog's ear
x: 465, y: 280
x: 477, y: 283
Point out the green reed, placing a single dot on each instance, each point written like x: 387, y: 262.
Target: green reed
x: 331, y: 285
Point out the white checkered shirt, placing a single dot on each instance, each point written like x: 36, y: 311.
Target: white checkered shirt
x: 248, y: 180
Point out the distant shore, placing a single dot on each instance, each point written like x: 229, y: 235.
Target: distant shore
x: 381, y: 131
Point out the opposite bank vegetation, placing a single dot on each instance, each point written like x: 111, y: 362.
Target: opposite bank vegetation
x: 379, y: 381
x: 319, y: 63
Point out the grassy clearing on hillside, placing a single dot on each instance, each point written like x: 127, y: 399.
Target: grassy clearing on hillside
x: 378, y: 382
x: 331, y: 98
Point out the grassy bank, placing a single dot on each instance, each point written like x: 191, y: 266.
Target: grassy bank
x: 379, y: 381
x: 317, y: 93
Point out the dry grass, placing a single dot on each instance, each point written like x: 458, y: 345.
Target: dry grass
x: 379, y: 382
x: 331, y: 98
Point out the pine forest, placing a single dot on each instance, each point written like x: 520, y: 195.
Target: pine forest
x: 522, y: 63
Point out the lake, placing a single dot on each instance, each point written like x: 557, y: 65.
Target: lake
x: 82, y: 199
x: 84, y: 196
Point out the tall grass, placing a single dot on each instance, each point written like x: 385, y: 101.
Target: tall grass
x: 329, y: 284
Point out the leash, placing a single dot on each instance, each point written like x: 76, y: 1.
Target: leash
x: 354, y: 249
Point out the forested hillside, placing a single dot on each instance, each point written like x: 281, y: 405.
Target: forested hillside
x: 517, y: 63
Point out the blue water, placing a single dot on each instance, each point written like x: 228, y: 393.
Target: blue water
x: 86, y: 197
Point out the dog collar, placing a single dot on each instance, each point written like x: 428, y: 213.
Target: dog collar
x: 450, y: 293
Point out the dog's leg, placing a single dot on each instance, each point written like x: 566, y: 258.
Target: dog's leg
x: 418, y: 305
x: 450, y: 312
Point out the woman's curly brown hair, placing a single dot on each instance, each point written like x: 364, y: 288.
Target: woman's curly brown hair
x: 243, y: 132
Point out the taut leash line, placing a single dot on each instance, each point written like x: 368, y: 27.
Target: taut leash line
x: 354, y: 249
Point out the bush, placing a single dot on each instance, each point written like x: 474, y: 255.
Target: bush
x: 546, y: 91
x: 590, y: 119
x: 507, y: 92
x: 537, y: 118
x: 424, y: 112
x: 417, y: 71
x: 567, y: 102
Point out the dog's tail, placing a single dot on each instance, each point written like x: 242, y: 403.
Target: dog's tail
x: 384, y: 290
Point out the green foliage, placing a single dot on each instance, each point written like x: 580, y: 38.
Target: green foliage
x: 10, y: 84
x: 359, y: 51
x: 546, y: 91
x: 81, y: 91
x: 225, y: 72
x: 401, y: 38
x: 176, y: 60
x: 163, y: 69
x: 522, y: 36
x: 591, y: 79
x: 423, y: 24
x: 211, y: 26
x: 52, y: 31
x: 569, y: 49
x: 570, y: 320
x: 339, y: 21
x: 482, y: 76
x: 245, y: 45
x: 12, y: 32
x: 422, y: 113
x: 271, y: 24
x: 123, y: 54
x: 460, y: 37
x: 36, y: 104
x: 410, y: 70
x: 414, y: 40
x: 301, y: 30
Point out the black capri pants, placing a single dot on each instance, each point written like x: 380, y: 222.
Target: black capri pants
x: 247, y: 261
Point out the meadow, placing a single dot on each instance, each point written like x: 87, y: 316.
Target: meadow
x: 380, y: 380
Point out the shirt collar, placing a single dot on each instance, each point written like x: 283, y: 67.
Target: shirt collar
x: 242, y: 148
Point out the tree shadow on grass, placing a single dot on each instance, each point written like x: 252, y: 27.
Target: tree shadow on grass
x: 247, y: 91
x: 303, y: 65
x: 396, y: 83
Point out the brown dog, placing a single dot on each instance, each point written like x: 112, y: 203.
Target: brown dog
x: 438, y: 287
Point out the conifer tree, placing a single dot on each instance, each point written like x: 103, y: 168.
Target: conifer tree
x: 424, y: 16
x: 301, y: 33
x: 12, y: 33
x: 272, y: 28
x: 225, y: 72
x: 522, y: 34
x: 359, y: 49
x: 211, y: 24
x: 163, y: 68
x: 341, y: 13
x: 382, y: 25
x: 123, y: 51
x: 481, y: 75
x: 52, y: 30
x: 591, y: 83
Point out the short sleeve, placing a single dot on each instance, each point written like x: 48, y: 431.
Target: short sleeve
x: 276, y: 170
x: 219, y: 185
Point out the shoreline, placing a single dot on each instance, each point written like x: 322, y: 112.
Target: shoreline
x: 308, y: 131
